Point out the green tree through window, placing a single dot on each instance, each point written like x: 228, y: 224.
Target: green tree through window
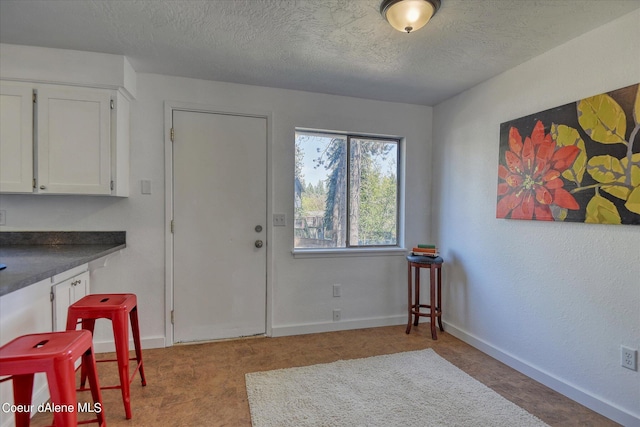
x: 346, y: 190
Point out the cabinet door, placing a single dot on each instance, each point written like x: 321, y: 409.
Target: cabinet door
x: 16, y: 138
x: 73, y: 140
x: 66, y: 293
x: 25, y: 311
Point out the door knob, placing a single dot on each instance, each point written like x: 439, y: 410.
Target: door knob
x: 258, y: 243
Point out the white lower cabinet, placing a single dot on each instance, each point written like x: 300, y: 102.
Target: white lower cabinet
x: 25, y: 311
x: 64, y: 294
x: 38, y: 308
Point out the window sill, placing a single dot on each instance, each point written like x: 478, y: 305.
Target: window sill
x: 351, y: 252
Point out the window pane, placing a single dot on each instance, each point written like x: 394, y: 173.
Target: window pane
x: 320, y: 191
x: 373, y: 189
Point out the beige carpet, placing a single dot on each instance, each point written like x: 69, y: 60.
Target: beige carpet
x: 417, y: 388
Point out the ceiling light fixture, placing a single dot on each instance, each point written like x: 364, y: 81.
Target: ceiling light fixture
x: 408, y: 15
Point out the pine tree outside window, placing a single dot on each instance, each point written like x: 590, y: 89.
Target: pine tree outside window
x: 346, y: 191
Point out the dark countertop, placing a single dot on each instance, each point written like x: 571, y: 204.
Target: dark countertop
x: 33, y: 256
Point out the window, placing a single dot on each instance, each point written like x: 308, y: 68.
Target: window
x: 346, y: 191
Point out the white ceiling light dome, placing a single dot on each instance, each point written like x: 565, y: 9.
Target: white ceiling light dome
x: 409, y: 15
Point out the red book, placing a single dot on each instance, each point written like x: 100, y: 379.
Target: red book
x: 425, y: 250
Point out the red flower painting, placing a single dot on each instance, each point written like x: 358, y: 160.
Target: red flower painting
x: 531, y: 182
x: 579, y: 162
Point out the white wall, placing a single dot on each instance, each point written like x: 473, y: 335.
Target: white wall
x: 374, y: 288
x: 301, y: 289
x: 555, y: 300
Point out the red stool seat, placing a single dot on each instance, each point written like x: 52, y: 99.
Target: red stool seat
x: 53, y: 353
x: 115, y: 307
x: 434, y: 307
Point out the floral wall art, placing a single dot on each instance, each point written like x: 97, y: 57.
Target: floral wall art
x: 579, y: 162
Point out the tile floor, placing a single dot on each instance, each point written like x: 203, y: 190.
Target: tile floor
x: 203, y: 384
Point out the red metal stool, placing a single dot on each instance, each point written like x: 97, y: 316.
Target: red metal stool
x: 115, y: 307
x: 435, y: 302
x: 53, y: 353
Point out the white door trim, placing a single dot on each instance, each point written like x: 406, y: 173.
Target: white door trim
x: 169, y: 108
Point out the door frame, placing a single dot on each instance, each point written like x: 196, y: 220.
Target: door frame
x: 169, y: 108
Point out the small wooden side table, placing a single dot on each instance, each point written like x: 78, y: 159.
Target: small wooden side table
x: 416, y: 262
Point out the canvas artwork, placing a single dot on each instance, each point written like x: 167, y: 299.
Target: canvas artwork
x: 579, y: 162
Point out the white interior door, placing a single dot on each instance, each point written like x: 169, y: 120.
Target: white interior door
x: 219, y: 207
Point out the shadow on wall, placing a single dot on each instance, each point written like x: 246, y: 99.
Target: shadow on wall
x: 455, y: 288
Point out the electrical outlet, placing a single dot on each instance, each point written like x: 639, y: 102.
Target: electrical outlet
x: 337, y: 315
x: 3, y: 217
x: 279, y: 220
x: 337, y: 291
x: 629, y: 358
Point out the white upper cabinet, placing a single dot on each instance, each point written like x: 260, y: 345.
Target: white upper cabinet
x: 79, y: 144
x: 73, y: 141
x: 16, y: 138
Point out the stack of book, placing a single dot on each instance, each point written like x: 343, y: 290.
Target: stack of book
x: 426, y: 250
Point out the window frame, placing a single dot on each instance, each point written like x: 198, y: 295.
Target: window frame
x: 361, y: 250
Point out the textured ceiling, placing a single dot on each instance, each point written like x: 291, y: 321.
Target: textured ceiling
x: 330, y: 46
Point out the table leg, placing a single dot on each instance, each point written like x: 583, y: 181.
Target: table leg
x: 440, y: 298
x: 410, y: 304
x: 432, y: 300
x: 416, y: 275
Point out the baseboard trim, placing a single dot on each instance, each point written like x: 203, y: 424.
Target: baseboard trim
x: 109, y: 346
x: 343, y: 325
x: 600, y: 406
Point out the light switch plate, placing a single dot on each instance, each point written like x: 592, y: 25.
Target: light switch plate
x: 279, y: 220
x: 337, y: 291
x: 145, y: 186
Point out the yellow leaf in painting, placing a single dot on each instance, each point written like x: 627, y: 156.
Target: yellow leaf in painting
x: 565, y: 136
x: 602, y: 119
x: 633, y: 202
x: 636, y: 107
x: 635, y: 168
x: 601, y: 211
x: 605, y: 169
x: 618, y: 191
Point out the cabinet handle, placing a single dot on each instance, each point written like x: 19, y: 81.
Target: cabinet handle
x: 43, y: 187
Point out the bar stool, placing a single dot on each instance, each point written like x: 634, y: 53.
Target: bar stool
x: 53, y: 353
x: 115, y: 307
x: 435, y: 302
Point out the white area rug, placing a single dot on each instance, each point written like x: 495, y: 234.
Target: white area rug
x: 417, y: 388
